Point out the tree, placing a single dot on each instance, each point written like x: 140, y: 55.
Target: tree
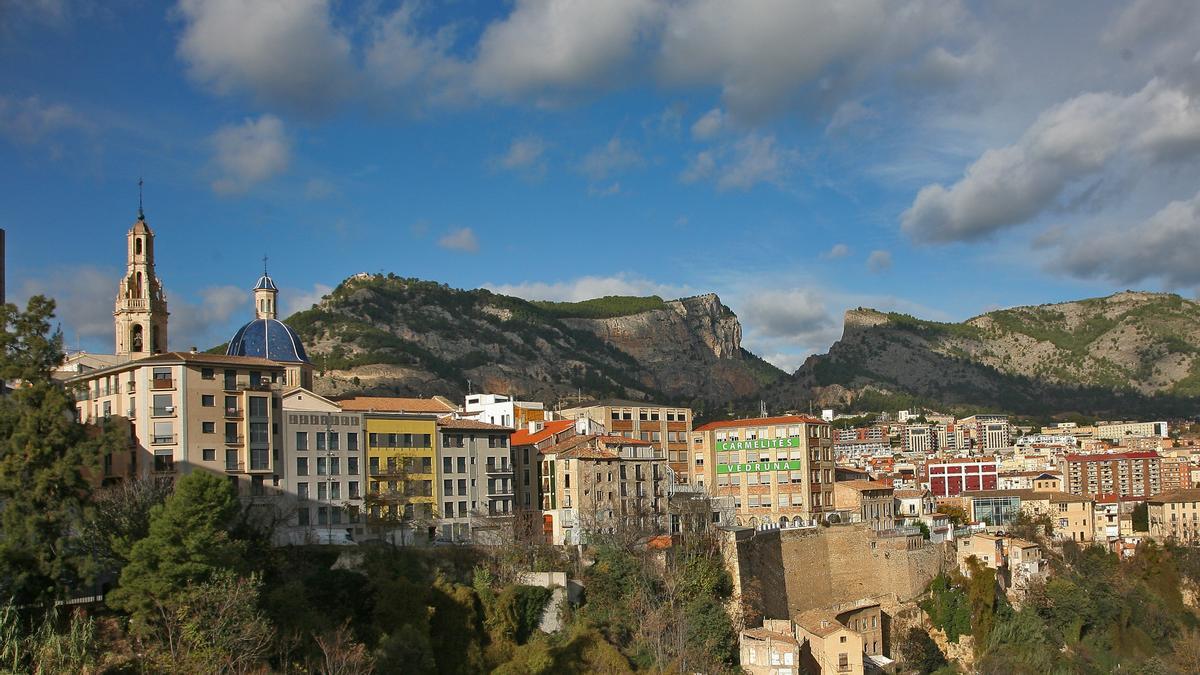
x: 958, y: 517
x: 215, y: 627
x: 341, y: 655
x: 44, y: 457
x: 188, y: 544
x: 118, y: 519
x: 1141, y: 517
x: 919, y: 652
x: 1032, y: 527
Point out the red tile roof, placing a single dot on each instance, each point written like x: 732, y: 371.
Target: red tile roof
x: 396, y: 404
x: 524, y: 437
x: 761, y: 421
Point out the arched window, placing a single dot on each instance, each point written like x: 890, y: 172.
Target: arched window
x: 135, y: 338
x: 137, y: 246
x: 137, y: 291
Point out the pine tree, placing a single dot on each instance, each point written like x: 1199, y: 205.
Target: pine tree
x: 44, y: 457
x: 188, y: 544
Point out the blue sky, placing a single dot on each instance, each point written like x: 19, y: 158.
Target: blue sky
x: 936, y: 157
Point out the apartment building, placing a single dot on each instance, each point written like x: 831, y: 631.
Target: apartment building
x: 503, y: 410
x: 828, y: 645
x: 594, y: 485
x: 1176, y: 473
x: 950, y: 436
x: 322, y: 453
x: 778, y: 470
x: 190, y: 411
x: 872, y: 502
x: 477, y: 487
x: 1175, y: 516
x: 1126, y: 474
x: 987, y: 432
x: 919, y: 438
x: 402, y: 466
x: 911, y: 504
x: 667, y: 427
x: 1116, y: 431
x: 527, y: 445
x: 949, y: 477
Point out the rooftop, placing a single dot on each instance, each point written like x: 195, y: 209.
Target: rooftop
x: 761, y: 422
x: 764, y: 634
x: 397, y: 404
x: 1177, y: 496
x: 469, y: 424
x: 618, y: 403
x: 819, y: 622
x: 1113, y: 456
x: 1027, y: 495
x: 526, y: 437
x: 861, y: 485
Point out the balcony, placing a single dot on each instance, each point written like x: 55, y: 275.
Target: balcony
x: 163, y: 467
x: 388, y: 471
x: 233, y: 413
x: 499, y: 468
x: 162, y: 383
x: 233, y: 440
x: 234, y: 467
x: 162, y: 440
x: 165, y: 411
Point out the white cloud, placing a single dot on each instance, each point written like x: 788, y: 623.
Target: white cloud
x: 1165, y: 246
x: 774, y: 54
x: 249, y: 153
x: 612, y: 157
x: 283, y: 52
x: 609, y: 190
x: 837, y: 251
x: 588, y: 287
x: 527, y: 154
x: 848, y: 114
x: 412, y: 70
x: 462, y: 239
x: 754, y: 159
x: 299, y: 299
x: 879, y: 261
x: 562, y: 46
x: 700, y: 167
x: 708, y: 125
x: 1081, y: 138
x: 30, y: 122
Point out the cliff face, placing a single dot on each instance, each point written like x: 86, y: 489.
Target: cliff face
x: 387, y: 334
x: 1101, y: 354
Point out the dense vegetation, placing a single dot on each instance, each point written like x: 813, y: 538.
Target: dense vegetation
x: 607, y: 307
x: 1094, y: 614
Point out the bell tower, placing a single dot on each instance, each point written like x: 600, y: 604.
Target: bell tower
x: 265, y: 295
x: 140, y: 317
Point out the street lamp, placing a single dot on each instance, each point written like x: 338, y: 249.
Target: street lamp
x: 329, y: 454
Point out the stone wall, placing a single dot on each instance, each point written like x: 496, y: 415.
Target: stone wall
x: 810, y: 568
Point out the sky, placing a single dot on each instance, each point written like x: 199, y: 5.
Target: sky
x: 939, y: 158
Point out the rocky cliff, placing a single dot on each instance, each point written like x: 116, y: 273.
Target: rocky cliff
x: 1128, y: 351
x: 386, y: 334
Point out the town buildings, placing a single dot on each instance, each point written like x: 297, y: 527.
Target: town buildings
x: 477, y: 486
x: 987, y: 432
x: 503, y: 410
x: 1125, y: 474
x: 777, y: 470
x: 770, y: 650
x: 323, y: 461
x: 866, y: 501
x: 1072, y: 516
x: 665, y: 426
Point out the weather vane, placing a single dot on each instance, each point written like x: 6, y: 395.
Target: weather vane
x: 141, y: 215
x: 264, y: 264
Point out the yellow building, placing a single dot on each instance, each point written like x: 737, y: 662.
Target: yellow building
x: 402, y: 466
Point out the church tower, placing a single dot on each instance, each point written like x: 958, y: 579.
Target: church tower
x: 140, y: 317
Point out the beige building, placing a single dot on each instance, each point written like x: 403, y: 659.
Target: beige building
x: 771, y: 649
x: 594, y: 485
x: 1125, y: 474
x: 872, y: 502
x: 1117, y: 431
x: 191, y: 411
x: 324, y: 469
x: 829, y: 646
x: 778, y: 470
x: 1176, y: 473
x: 1176, y: 516
x: 667, y: 427
x: 477, y: 486
x: 986, y: 548
x: 1073, y: 516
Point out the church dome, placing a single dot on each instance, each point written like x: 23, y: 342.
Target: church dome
x: 269, y: 339
x: 265, y: 284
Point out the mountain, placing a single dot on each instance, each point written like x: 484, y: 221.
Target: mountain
x: 386, y: 334
x: 1126, y: 353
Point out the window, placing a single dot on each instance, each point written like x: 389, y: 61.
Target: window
x: 333, y: 440
x: 301, y: 466
x: 447, y: 488
x: 209, y: 454
x: 352, y: 466
x: 322, y: 491
x: 320, y: 440
x: 447, y: 465
x: 322, y: 467
x: 208, y: 400
x: 462, y: 486
x: 258, y: 406
x: 207, y: 374
x: 302, y: 490
x: 335, y: 490
x: 302, y: 516
x: 302, y: 440
x: 352, y: 441
x: 353, y: 488
x: 462, y: 464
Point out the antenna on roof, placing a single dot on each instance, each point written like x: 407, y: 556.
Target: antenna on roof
x: 762, y: 408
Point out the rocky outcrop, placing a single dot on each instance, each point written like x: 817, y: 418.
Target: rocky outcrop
x: 1096, y: 355
x: 388, y: 334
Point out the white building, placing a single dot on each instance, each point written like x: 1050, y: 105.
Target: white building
x: 502, y: 410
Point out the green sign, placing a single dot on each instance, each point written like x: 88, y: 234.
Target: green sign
x: 760, y: 444
x: 756, y: 467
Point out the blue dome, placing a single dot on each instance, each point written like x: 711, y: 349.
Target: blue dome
x: 269, y: 339
x: 265, y: 283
